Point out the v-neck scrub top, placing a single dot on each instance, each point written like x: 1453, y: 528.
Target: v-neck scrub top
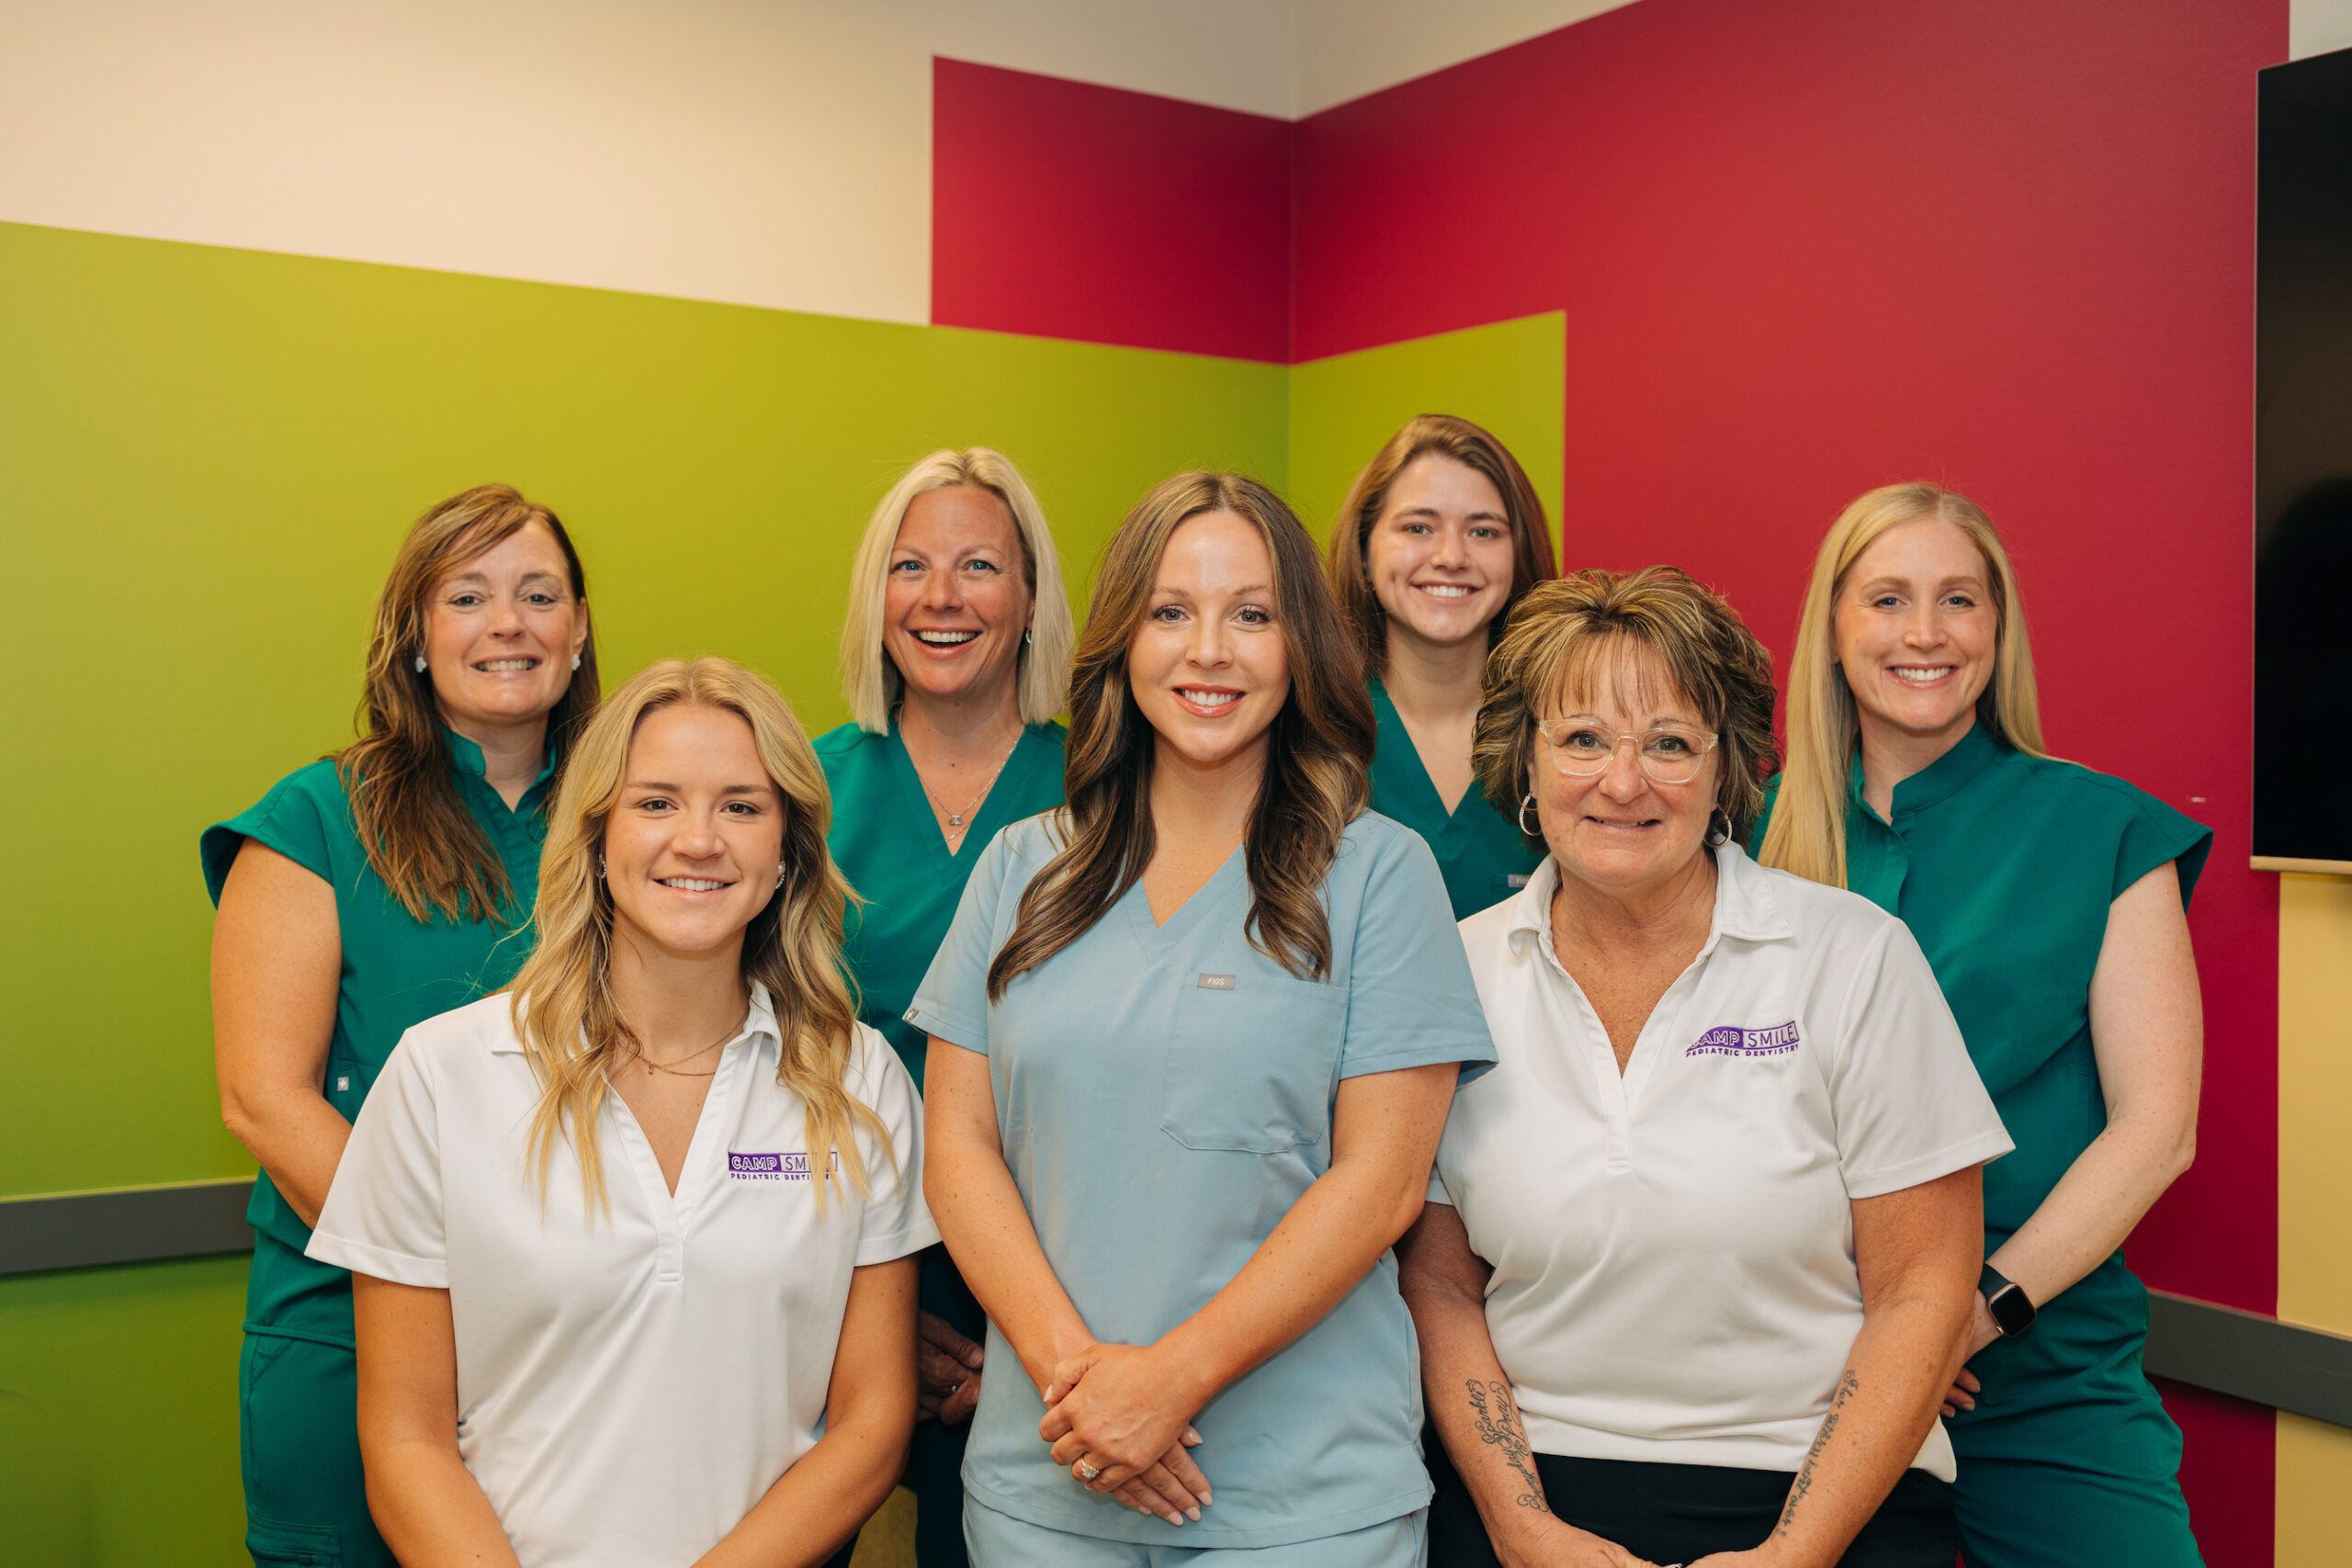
x: 1673, y: 1249
x: 629, y: 1383
x: 888, y: 843
x: 397, y: 971
x: 1482, y: 854
x: 1165, y: 1094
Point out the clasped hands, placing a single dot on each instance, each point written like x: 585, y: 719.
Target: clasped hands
x: 1122, y: 1412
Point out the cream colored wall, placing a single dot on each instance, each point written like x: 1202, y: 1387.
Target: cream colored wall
x: 2316, y: 27
x: 1349, y: 47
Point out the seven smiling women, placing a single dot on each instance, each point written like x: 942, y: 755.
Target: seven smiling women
x: 634, y: 1245
x: 2050, y: 901
x: 362, y: 894
x: 1438, y: 538
x: 1192, y: 1041
x: 955, y: 658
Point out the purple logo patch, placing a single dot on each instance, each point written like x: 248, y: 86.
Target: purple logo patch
x: 790, y: 1165
x: 1729, y: 1040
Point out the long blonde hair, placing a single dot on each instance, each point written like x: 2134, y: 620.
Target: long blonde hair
x: 869, y: 680
x: 563, y: 1006
x: 419, y: 836
x: 1807, y: 833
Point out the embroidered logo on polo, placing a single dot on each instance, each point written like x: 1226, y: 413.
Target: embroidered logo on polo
x: 789, y: 1166
x: 1729, y: 1040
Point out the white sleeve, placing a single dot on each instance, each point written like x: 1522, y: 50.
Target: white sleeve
x: 895, y: 1221
x: 1909, y: 1105
x: 383, y: 1214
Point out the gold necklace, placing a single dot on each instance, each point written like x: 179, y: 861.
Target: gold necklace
x: 670, y: 1067
x: 956, y: 819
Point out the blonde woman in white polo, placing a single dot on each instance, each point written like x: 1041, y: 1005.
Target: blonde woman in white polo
x: 1700, y: 1250
x: 633, y: 1245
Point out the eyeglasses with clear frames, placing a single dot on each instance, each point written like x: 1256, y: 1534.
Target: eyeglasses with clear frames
x: 1582, y: 746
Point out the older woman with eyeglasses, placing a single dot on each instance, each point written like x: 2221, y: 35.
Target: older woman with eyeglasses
x: 1696, y: 1266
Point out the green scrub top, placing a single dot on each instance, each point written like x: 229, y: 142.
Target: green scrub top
x: 397, y: 971
x: 1177, y: 1072
x: 1480, y: 852
x: 886, y: 842
x: 2003, y: 866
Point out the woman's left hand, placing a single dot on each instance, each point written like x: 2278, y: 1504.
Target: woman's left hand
x: 1110, y: 1404
x: 1965, y: 1385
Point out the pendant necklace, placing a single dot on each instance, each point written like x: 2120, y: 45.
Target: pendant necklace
x: 956, y: 819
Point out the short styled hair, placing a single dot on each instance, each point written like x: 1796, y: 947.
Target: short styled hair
x: 869, y: 680
x: 1567, y: 632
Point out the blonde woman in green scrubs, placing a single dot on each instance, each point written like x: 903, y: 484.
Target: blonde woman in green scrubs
x: 364, y: 893
x: 2049, y: 900
x: 1438, y: 539
x: 954, y: 658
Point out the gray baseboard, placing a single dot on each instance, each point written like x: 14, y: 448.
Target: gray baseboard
x: 2307, y: 1372
x: 132, y: 1225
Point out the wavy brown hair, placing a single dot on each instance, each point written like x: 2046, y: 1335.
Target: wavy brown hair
x: 563, y: 1006
x: 1319, y: 746
x: 1568, y: 633
x: 1532, y: 560
x: 419, y: 836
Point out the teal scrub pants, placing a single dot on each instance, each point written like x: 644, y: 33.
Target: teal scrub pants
x: 306, y: 1498
x: 1000, y: 1541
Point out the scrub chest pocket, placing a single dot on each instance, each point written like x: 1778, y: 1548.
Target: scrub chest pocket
x: 1251, y: 1061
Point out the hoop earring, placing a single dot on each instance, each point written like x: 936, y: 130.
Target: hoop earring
x: 420, y: 664
x: 1536, y: 831
x: 600, y: 868
x: 1028, y: 635
x: 1718, y: 829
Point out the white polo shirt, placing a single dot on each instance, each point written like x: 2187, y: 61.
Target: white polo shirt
x: 629, y: 1385
x: 1673, y: 1249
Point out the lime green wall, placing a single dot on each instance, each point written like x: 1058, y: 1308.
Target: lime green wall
x: 1511, y: 376
x: 206, y: 459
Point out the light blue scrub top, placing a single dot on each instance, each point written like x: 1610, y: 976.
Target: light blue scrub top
x: 1165, y: 1095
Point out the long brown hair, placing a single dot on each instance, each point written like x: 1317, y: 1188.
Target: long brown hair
x: 1807, y: 833
x: 1532, y: 560
x: 1317, y: 751
x: 419, y: 836
x: 563, y: 1007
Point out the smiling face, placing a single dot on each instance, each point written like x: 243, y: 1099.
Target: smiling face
x: 1207, y: 662
x: 1440, y: 556
x: 1618, y: 830
x: 500, y: 631
x: 692, y: 846
x: 956, y: 598
x: 1915, y: 631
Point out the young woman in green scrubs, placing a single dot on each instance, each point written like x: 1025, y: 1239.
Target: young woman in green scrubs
x: 1438, y: 538
x: 2051, y: 902
x: 955, y: 658
x: 363, y: 894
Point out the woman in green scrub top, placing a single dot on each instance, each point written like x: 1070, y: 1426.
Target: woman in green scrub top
x: 1192, y: 1041
x: 1439, y: 537
x: 2049, y: 900
x: 363, y: 894
x: 955, y: 658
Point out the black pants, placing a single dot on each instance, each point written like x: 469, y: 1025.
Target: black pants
x: 1678, y: 1513
x: 935, y: 1458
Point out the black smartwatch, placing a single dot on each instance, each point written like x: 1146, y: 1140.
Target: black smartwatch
x: 2012, y: 1309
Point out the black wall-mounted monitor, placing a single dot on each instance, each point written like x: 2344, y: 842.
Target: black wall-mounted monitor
x: 2302, y: 661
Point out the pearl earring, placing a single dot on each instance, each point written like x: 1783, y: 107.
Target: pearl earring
x: 420, y: 664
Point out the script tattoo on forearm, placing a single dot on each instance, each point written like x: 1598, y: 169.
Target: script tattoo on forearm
x: 1847, y: 1386
x: 1500, y: 1429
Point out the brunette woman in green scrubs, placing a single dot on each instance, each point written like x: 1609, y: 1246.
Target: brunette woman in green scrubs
x: 1438, y: 538
x: 954, y: 658
x: 2050, y: 901
x: 363, y: 894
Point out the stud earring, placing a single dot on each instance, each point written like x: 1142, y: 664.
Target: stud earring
x: 575, y: 662
x: 1536, y: 831
x: 420, y: 664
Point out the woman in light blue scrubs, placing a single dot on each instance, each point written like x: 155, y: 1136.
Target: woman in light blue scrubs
x: 1192, y: 1041
x: 1439, y: 539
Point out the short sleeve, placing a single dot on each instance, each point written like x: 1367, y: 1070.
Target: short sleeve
x: 297, y: 818
x: 1412, y: 1002
x: 383, y: 1214
x: 2153, y: 833
x: 896, y: 1223
x: 1908, y: 1103
x: 952, y: 1000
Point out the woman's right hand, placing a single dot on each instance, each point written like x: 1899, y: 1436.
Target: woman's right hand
x: 1549, y: 1541
x: 947, y: 1371
x: 1173, y: 1486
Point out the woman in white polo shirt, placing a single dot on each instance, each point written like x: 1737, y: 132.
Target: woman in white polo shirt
x: 1702, y: 1249
x: 634, y: 1246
